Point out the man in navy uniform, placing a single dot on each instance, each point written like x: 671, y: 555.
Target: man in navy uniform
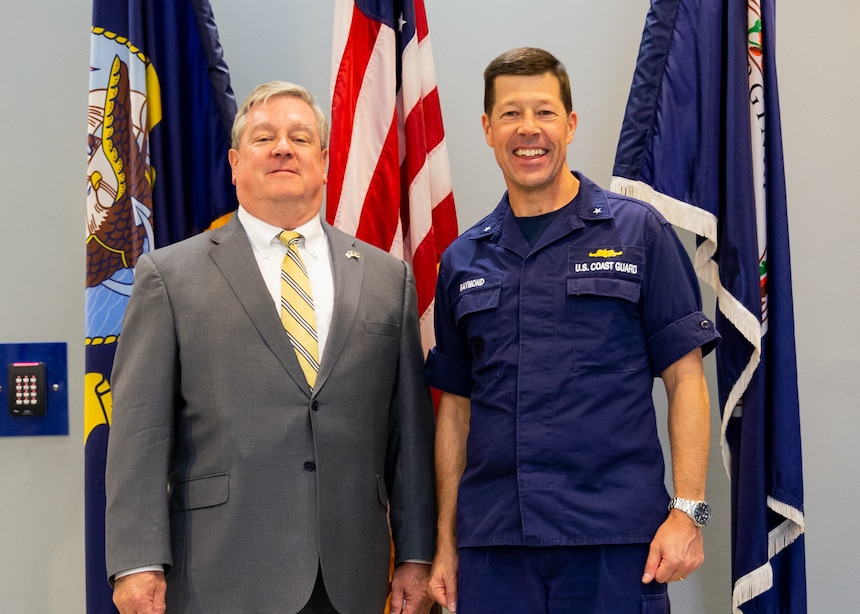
x: 553, y: 316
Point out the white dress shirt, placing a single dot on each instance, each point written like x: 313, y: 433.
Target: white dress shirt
x: 313, y: 248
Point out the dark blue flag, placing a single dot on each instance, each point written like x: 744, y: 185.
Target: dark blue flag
x: 159, y: 117
x: 702, y: 141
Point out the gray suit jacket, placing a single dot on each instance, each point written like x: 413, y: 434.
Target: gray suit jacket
x: 224, y: 466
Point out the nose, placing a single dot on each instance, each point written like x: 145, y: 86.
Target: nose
x: 528, y: 126
x: 282, y: 147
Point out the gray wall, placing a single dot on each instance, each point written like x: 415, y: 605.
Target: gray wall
x: 44, y: 46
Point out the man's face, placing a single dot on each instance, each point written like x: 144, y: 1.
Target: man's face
x: 529, y: 130
x: 279, y: 161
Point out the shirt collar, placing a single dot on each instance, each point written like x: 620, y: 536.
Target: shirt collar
x: 589, y: 204
x: 263, y: 236
x: 591, y: 201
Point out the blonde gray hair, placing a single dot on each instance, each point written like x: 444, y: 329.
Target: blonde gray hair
x: 262, y: 93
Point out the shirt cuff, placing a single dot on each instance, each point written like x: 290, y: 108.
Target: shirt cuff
x: 448, y: 374
x: 680, y: 338
x: 128, y: 572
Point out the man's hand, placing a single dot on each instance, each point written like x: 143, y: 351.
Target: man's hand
x: 409, y: 589
x: 443, y: 579
x: 141, y: 593
x: 676, y: 551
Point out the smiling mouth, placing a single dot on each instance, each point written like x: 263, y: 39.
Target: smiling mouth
x: 529, y: 153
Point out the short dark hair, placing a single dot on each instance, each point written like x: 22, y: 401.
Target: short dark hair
x: 525, y: 61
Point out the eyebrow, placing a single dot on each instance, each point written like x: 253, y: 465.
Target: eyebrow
x: 520, y: 100
x: 270, y: 126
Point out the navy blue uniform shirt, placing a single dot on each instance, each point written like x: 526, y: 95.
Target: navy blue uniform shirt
x: 557, y: 346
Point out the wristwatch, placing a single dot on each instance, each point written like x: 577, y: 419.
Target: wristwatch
x: 698, y: 511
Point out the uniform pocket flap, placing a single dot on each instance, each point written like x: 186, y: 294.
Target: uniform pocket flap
x: 627, y: 289
x: 479, y: 294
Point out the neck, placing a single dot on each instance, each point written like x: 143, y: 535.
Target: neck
x: 287, y: 216
x: 529, y: 203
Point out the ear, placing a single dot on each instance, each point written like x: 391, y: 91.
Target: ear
x: 324, y: 155
x: 233, y: 157
x: 485, y: 122
x: 571, y: 126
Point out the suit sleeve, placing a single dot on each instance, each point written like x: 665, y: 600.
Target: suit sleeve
x: 409, y: 464
x: 143, y: 388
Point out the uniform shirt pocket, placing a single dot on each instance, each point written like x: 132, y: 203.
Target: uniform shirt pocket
x: 476, y: 313
x: 603, y: 301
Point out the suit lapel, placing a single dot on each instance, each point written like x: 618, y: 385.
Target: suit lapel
x: 232, y: 253
x: 347, y: 268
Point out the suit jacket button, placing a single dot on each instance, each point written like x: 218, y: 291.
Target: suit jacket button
x: 315, y: 405
x: 310, y: 465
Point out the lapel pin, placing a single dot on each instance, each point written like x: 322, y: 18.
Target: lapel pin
x: 353, y: 254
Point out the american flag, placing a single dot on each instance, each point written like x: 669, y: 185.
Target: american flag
x: 389, y: 180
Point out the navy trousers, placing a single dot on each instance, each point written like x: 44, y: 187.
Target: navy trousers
x: 558, y: 580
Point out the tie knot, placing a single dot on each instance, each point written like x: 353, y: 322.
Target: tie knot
x: 289, y: 237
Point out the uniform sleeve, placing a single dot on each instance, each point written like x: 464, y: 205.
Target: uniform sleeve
x: 672, y: 312
x: 449, y: 364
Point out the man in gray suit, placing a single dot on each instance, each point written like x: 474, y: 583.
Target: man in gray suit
x: 236, y: 483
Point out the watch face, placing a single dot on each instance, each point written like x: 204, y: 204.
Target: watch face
x: 702, y: 513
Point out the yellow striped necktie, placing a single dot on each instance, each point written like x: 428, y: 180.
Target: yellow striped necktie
x: 297, y: 307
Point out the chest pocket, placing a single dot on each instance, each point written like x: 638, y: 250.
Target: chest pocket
x: 476, y: 310
x: 603, y: 298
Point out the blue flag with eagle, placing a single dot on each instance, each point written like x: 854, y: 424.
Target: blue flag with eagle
x: 702, y: 141
x: 159, y: 116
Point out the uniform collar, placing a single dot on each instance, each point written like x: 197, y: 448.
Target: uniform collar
x: 591, y: 202
x: 589, y: 205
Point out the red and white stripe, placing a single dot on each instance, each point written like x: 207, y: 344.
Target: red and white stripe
x: 389, y: 179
